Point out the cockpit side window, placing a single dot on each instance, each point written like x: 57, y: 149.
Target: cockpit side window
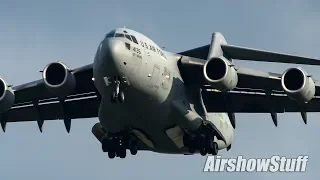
x: 128, y: 37
x: 134, y: 39
x: 119, y: 35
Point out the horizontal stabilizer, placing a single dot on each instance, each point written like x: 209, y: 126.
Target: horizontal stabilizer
x: 244, y: 53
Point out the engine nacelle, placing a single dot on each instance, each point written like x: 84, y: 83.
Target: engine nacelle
x: 220, y: 73
x: 58, y: 79
x: 7, y: 96
x: 298, y: 85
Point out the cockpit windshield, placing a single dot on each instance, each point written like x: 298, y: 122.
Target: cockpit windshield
x: 110, y: 34
x: 116, y: 34
x: 119, y: 35
x: 123, y: 35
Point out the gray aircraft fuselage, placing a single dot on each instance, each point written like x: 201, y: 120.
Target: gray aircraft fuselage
x: 157, y: 102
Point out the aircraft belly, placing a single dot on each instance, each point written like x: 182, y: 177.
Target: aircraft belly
x: 145, y: 107
x: 139, y: 113
x: 153, y: 118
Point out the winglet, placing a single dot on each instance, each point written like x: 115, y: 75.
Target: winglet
x: 229, y: 147
x: 3, y: 125
x: 274, y: 117
x: 66, y: 119
x: 273, y: 114
x: 40, y: 125
x: 232, y: 119
x: 3, y: 121
x: 67, y: 124
x: 304, y: 117
x: 40, y: 121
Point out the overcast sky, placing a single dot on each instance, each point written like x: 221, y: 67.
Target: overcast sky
x: 34, y: 33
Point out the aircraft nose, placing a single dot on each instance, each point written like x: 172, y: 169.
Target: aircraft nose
x: 113, y: 51
x: 113, y: 47
x: 109, y: 61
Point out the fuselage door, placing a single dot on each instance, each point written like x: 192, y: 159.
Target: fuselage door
x: 154, y: 77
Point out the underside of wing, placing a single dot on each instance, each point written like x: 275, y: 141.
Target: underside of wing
x: 74, y: 107
x: 244, y: 102
x: 63, y: 93
x: 78, y: 81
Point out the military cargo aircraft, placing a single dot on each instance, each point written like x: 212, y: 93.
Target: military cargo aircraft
x: 147, y: 98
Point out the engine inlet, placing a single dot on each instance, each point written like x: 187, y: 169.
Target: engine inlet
x: 55, y: 74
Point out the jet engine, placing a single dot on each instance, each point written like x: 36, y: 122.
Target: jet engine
x: 7, y: 96
x: 298, y: 85
x: 58, y: 79
x: 220, y: 74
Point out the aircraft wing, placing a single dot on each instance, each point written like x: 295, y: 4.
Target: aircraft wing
x: 79, y: 106
x: 250, y: 80
x: 34, y: 102
x: 36, y: 90
x: 245, y: 90
x: 244, y: 53
x: 256, y: 92
x: 245, y: 102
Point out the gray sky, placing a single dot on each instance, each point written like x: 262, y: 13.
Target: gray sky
x: 34, y: 33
